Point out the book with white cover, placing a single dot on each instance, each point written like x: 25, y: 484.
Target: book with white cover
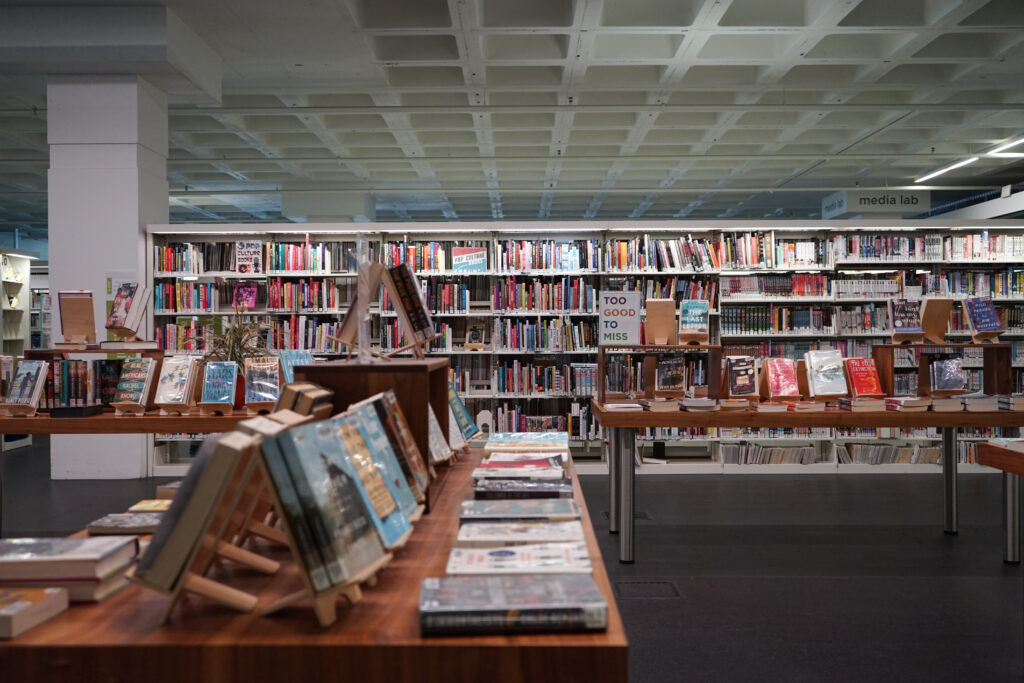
x: 542, y: 558
x: 64, y: 558
x: 527, y: 441
x: 825, y: 373
x: 521, y: 456
x: 502, y: 534
x: 518, y: 473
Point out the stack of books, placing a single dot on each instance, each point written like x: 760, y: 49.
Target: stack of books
x: 89, y: 569
x: 908, y: 404
x: 1014, y: 402
x: 704, y: 405
x: 862, y: 405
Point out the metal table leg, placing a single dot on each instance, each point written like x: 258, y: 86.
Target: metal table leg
x: 612, y: 451
x: 1011, y: 517
x: 626, y: 444
x: 949, y: 478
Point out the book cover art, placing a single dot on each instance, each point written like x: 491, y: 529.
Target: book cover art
x: 906, y: 315
x: 825, y: 372
x: 511, y: 603
x: 672, y: 374
x: 173, y: 385
x: 107, y: 374
x: 262, y: 380
x: 463, y: 419
x: 543, y: 509
x: 947, y: 374
x: 388, y: 517
x: 552, y: 437
x: 66, y: 558
x: 246, y: 294
x: 982, y: 314
x: 125, y: 523
x: 439, y: 448
x: 476, y: 334
x: 781, y: 374
x: 24, y: 608
x: 134, y: 380
x: 23, y: 385
x: 455, y: 438
x: 864, y: 380
x: 498, y: 534
x: 122, y: 303
x: 339, y: 498
x: 410, y: 298
x: 219, y: 381
x: 290, y: 359
x: 249, y: 257
x: 540, y: 558
x: 469, y: 259
x: 390, y: 413
x: 741, y: 372
x: 379, y: 446
x: 693, y: 315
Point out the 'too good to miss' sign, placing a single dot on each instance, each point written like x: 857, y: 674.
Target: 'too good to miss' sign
x: 619, y: 321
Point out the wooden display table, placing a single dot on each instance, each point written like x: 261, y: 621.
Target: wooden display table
x: 621, y: 435
x: 377, y: 640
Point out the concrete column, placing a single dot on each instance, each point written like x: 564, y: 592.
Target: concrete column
x: 107, y: 181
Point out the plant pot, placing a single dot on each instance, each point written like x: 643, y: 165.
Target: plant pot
x: 240, y: 392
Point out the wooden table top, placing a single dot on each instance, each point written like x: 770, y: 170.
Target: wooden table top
x: 376, y: 640
x: 828, y: 418
x: 109, y: 423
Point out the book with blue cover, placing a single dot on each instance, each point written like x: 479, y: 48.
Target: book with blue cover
x: 314, y: 452
x: 379, y: 447
x: 387, y: 516
x: 463, y: 419
x: 693, y: 315
x: 290, y: 358
x: 982, y: 315
x: 219, y: 381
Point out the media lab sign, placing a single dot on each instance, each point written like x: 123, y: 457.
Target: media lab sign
x: 892, y: 202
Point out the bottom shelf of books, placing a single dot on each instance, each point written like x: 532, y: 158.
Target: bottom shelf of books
x: 502, y: 578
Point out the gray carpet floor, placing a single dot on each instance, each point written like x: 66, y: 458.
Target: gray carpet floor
x: 747, y: 578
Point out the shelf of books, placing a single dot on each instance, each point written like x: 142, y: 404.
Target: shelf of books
x: 514, y: 305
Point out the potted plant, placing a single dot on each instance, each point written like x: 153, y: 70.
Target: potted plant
x: 239, y: 340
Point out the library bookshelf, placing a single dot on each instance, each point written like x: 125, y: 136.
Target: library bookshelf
x: 515, y: 303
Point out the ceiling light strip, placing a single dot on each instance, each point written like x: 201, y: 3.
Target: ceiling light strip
x: 947, y: 169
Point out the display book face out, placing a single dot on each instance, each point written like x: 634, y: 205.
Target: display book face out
x: 825, y: 373
x: 219, y: 381
x: 905, y: 315
x: 136, y: 375
x: 982, y: 315
x: 177, y: 374
x: 741, y: 373
x: 27, y: 383
x: 262, y: 380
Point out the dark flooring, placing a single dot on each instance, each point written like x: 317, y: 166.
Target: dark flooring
x: 748, y: 578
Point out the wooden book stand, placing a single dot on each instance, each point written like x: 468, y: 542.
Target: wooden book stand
x: 935, y: 318
x: 18, y: 410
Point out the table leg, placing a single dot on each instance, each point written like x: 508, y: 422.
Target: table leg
x: 611, y: 448
x: 949, y: 478
x: 1011, y: 517
x: 626, y: 440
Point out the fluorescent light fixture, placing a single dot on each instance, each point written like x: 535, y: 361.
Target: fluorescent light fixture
x: 1008, y: 145
x: 23, y: 253
x: 947, y: 169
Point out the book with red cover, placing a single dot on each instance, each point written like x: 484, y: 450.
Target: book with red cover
x: 863, y: 376
x: 781, y: 377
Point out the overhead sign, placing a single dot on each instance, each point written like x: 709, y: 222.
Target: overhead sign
x: 854, y: 202
x: 619, y: 321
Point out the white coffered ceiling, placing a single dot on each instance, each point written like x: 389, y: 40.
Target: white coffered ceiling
x: 566, y: 109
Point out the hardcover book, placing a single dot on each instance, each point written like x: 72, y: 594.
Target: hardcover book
x: 64, y: 558
x: 825, y: 374
x: 469, y: 259
x: 290, y: 358
x: 693, y: 316
x: 440, y: 451
x: 262, y: 380
x: 27, y: 383
x: 539, y: 510
x: 219, y: 381
x: 504, y: 534
x: 125, y: 523
x: 781, y: 378
x: 389, y: 519
x: 339, y: 496
x: 25, y: 608
x: 484, y: 489
x: 864, y: 379
x: 374, y: 440
x: 543, y: 558
x: 126, y: 310
x: 177, y: 374
x: 511, y: 604
x: 905, y: 315
x: 741, y: 375
x: 136, y: 375
x: 982, y: 315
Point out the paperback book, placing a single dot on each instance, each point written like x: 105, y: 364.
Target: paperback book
x: 440, y: 450
x: 125, y: 523
x: 219, y: 381
x: 982, y: 315
x: 539, y: 510
x: 398, y: 448
x: 463, y: 420
x: 485, y: 489
x: 863, y: 376
x: 136, y: 376
x: 177, y: 375
x: 741, y: 373
x: 455, y: 438
x: 511, y: 604
x: 505, y: 534
x: 825, y: 374
x: 375, y: 441
x: 905, y: 315
x: 410, y: 297
x: 151, y: 505
x: 391, y: 415
x: 262, y: 380
x: 127, y: 308
x: 27, y: 383
x: 64, y: 558
x: 671, y: 374
x: 947, y: 374
x: 693, y: 316
x: 290, y: 358
x: 543, y: 558
x: 780, y: 377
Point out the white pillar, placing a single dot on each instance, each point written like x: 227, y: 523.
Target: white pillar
x: 107, y: 181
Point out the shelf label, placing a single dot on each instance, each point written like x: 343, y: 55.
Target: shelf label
x: 620, y: 318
